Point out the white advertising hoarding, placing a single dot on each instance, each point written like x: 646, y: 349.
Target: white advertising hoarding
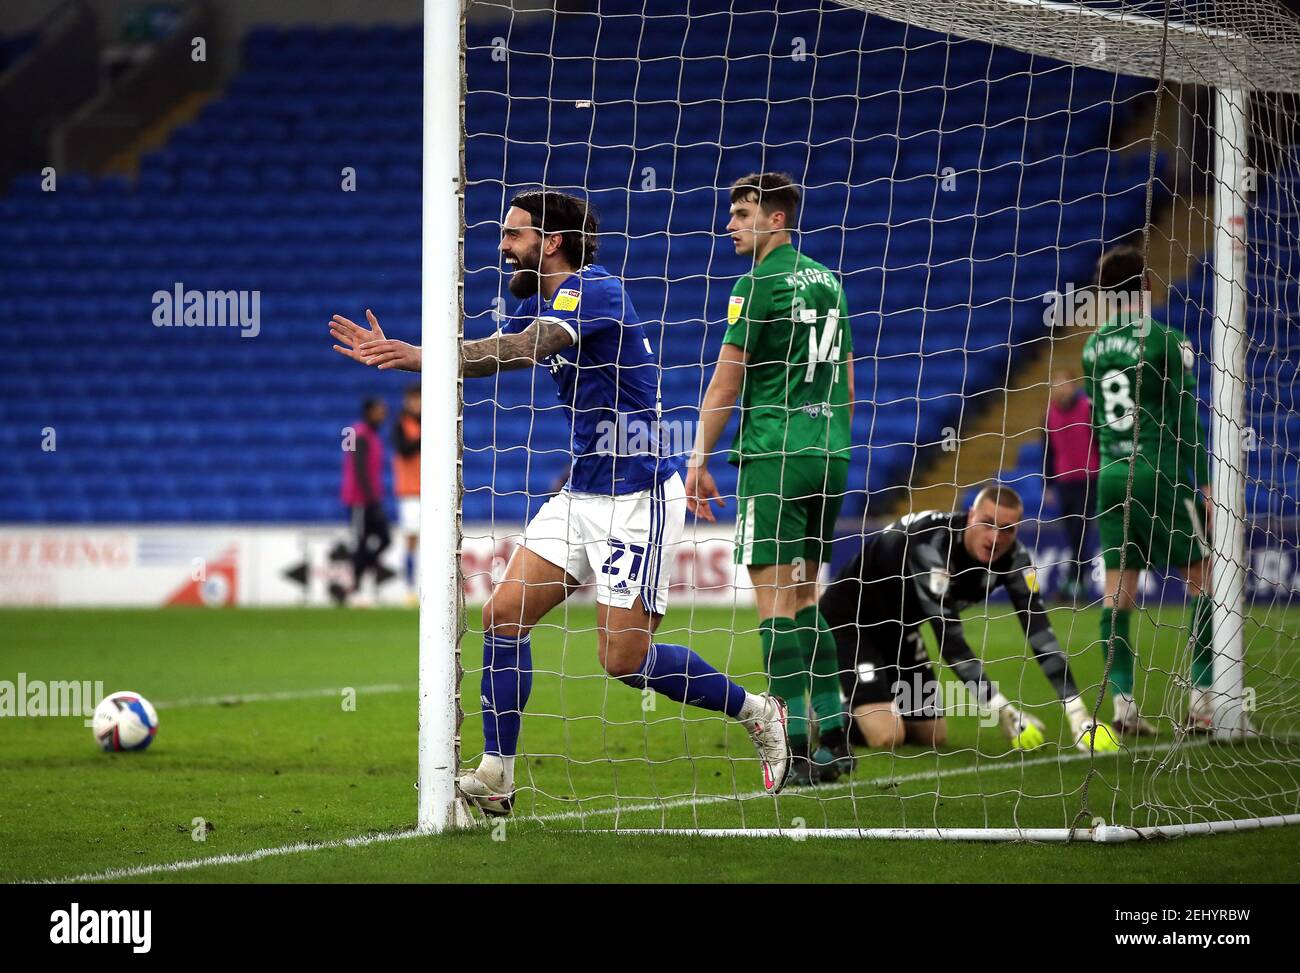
x: 280, y: 565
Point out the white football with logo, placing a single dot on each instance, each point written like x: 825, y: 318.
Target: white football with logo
x: 125, y: 721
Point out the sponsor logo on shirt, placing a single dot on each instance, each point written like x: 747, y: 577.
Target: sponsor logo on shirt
x: 734, y: 307
x: 566, y: 299
x: 938, y: 581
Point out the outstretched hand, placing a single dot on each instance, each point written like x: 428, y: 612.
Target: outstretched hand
x: 350, y: 335
x: 370, y: 346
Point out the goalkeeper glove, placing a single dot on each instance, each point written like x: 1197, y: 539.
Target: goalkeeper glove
x: 1094, y: 736
x: 1024, y: 731
x: 1089, y: 735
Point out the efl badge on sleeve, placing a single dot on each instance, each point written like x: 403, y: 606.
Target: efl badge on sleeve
x: 566, y: 299
x: 734, y: 307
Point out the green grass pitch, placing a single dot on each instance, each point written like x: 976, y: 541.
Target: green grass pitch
x: 258, y: 753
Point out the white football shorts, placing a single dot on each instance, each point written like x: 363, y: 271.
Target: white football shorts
x: 621, y: 543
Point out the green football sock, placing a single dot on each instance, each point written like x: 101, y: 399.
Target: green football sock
x: 820, y: 649
x: 1116, y: 624
x: 787, y: 671
x: 1202, y: 642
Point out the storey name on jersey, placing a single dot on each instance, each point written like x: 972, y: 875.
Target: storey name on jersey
x: 791, y: 317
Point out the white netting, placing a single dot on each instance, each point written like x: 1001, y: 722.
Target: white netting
x: 1241, y: 44
x: 963, y: 166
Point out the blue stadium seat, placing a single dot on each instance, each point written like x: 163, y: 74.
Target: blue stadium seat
x: 177, y: 424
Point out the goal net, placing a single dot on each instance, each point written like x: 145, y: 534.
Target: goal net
x: 963, y: 166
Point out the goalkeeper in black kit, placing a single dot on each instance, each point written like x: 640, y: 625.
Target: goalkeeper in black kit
x: 929, y: 567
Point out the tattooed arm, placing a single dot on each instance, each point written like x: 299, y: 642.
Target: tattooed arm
x: 500, y: 352
x: 503, y: 351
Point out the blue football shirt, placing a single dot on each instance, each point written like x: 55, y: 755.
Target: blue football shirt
x: 608, y: 383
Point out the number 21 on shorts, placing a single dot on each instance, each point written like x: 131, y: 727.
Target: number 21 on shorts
x: 618, y: 562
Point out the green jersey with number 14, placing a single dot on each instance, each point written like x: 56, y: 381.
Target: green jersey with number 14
x: 1170, y: 436
x: 791, y: 316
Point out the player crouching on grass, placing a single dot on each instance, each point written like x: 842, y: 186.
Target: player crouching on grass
x: 929, y: 567
x: 618, y: 515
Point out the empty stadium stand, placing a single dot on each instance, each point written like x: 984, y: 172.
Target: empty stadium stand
x: 945, y: 276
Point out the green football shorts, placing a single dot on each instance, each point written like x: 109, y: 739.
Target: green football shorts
x: 1166, y: 520
x: 787, y: 509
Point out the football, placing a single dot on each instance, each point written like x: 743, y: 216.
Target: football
x: 125, y: 721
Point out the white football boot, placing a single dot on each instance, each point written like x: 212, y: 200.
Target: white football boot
x: 1200, y: 711
x: 768, y: 729
x: 1200, y: 717
x: 487, y: 789
x: 1127, y: 721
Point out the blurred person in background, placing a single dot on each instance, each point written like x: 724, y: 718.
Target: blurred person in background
x: 406, y: 482
x: 1070, y: 467
x: 363, y: 493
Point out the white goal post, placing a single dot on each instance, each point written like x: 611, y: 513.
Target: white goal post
x: 1245, y: 49
x: 440, y: 335
x: 1228, y: 412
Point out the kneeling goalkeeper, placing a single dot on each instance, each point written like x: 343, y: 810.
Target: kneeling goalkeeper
x: 929, y: 567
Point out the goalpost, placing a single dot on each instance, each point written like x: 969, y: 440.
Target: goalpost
x: 440, y: 334
x: 1228, y: 412
x: 1244, y: 58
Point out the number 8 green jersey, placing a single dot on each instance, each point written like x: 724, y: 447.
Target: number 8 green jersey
x: 791, y: 316
x: 1170, y: 436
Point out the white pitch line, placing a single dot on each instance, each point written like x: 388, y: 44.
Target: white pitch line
x: 234, y: 699
x: 361, y: 841
x: 240, y: 858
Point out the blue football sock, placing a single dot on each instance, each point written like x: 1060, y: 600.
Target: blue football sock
x: 507, y: 682
x: 410, y: 570
x: 681, y: 675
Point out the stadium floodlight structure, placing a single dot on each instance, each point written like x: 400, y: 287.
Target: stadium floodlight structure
x: 1244, y: 53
